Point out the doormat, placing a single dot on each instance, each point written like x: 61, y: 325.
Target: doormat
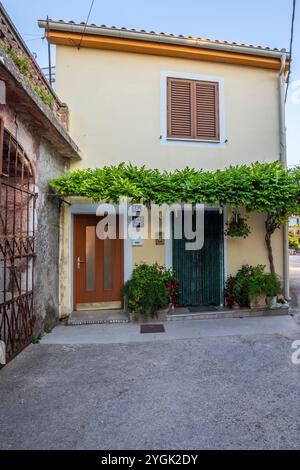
x: 203, y: 309
x: 152, y: 329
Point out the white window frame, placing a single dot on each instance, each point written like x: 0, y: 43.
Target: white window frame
x: 165, y: 140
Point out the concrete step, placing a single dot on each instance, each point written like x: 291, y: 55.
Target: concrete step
x: 97, y: 317
x: 228, y: 314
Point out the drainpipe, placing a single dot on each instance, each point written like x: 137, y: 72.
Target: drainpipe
x: 283, y: 159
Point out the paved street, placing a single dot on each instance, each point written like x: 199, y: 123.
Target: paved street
x: 238, y: 389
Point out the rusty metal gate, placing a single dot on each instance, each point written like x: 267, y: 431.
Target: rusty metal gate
x: 17, y: 254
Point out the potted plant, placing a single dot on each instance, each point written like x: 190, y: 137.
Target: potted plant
x: 257, y: 288
x: 237, y: 227
x: 247, y: 288
x: 230, y: 298
x: 273, y: 288
x: 241, y: 286
x: 149, y: 293
x: 254, y: 288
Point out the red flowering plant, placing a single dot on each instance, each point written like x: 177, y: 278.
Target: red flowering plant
x: 238, y: 287
x: 171, y: 284
x: 173, y: 290
x: 229, y: 291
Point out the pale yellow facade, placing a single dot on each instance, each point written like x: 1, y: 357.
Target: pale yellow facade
x: 117, y: 113
x: 115, y: 100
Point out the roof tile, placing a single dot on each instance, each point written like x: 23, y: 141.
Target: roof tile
x: 143, y: 31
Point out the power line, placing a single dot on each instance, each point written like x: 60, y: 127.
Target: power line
x: 87, y: 20
x: 30, y: 34
x: 291, y: 48
x: 34, y: 39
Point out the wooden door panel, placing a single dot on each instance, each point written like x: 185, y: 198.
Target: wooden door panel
x: 98, y: 264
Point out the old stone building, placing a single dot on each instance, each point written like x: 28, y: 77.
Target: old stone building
x: 34, y: 148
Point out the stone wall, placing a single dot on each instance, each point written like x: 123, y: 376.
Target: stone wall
x: 11, y: 40
x: 50, y: 165
x: 47, y: 163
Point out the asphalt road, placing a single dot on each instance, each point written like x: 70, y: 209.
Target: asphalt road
x: 231, y: 392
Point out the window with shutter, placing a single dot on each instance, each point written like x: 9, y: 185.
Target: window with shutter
x: 193, y: 110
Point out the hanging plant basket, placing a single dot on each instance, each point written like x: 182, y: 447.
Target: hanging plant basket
x: 237, y: 227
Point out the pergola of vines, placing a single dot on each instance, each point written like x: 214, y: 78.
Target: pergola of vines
x: 267, y: 188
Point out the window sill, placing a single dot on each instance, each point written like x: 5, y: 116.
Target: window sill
x: 178, y: 139
x: 197, y: 144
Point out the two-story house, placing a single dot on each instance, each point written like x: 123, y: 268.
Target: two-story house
x: 167, y: 102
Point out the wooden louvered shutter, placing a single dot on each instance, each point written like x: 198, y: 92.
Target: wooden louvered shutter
x: 180, y: 108
x: 207, y: 111
x: 193, y: 110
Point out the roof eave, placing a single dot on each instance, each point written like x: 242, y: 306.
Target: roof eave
x: 160, y: 38
x: 53, y: 130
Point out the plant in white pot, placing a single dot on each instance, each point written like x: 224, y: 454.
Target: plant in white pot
x: 263, y: 288
x: 253, y: 287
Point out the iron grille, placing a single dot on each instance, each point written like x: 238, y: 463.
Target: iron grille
x: 17, y: 253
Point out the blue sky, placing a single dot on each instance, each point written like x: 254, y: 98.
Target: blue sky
x: 264, y: 22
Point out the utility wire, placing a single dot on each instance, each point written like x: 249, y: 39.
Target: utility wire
x: 87, y: 20
x: 34, y: 39
x: 291, y: 49
x: 30, y: 34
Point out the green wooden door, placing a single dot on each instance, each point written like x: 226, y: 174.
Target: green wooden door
x: 201, y: 273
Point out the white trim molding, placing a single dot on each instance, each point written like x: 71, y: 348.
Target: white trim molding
x: 191, y: 143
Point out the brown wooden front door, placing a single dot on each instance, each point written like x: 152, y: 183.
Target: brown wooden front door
x: 98, y: 266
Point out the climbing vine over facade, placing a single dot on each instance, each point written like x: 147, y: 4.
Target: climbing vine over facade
x: 266, y: 188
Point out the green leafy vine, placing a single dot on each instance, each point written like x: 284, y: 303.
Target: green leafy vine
x: 24, y: 65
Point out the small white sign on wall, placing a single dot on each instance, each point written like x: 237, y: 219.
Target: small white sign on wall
x: 137, y: 242
x: 138, y: 222
x: 2, y: 353
x: 136, y: 208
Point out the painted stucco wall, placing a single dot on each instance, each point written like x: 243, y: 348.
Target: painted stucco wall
x: 252, y: 250
x: 115, y: 110
x: 115, y: 101
x: 149, y: 253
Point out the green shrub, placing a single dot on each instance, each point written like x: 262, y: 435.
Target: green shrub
x: 45, y: 96
x: 21, y: 61
x: 272, y: 285
x: 237, y: 227
x: 146, y: 292
x: 250, y: 282
x: 229, y: 291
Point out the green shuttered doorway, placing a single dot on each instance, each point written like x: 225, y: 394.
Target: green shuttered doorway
x: 201, y: 273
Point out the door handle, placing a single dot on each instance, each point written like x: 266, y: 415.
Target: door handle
x: 79, y: 262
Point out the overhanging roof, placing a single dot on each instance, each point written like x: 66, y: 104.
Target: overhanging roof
x: 103, y: 37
